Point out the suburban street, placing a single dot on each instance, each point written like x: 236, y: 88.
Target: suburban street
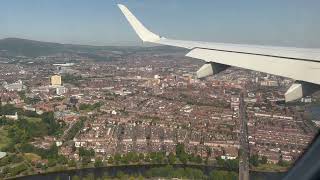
x: 244, y: 145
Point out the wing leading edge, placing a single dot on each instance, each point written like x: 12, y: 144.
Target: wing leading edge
x: 300, y: 64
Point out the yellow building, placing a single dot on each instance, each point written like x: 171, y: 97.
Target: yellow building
x: 56, y: 80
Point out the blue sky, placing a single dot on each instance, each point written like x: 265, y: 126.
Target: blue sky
x: 99, y: 22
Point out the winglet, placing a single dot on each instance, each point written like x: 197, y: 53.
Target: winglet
x: 143, y: 32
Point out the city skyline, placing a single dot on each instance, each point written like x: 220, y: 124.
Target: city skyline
x: 283, y: 23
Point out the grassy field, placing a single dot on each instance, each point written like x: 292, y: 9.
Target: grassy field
x: 4, y: 140
x: 32, y: 119
x: 31, y: 156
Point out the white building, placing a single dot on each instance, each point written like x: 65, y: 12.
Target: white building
x: 156, y: 76
x: 61, y: 90
x: 13, y: 117
x: 269, y: 83
x: 17, y: 86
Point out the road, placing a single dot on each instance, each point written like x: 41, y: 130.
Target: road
x: 244, y: 144
x: 65, y: 132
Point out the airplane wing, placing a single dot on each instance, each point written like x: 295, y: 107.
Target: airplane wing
x: 300, y: 64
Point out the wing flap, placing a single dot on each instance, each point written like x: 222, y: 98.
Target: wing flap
x: 295, y: 69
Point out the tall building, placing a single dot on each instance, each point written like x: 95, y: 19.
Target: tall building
x: 56, y: 80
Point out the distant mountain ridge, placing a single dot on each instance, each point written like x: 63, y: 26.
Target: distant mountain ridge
x: 32, y: 48
x: 24, y: 47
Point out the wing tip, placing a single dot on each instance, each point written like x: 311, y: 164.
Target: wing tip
x: 121, y: 6
x: 144, y: 34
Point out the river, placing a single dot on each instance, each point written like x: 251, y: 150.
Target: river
x: 137, y: 169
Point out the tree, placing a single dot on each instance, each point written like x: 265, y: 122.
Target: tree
x: 8, y: 109
x: 72, y: 163
x: 198, y: 159
x: 181, y: 154
x: 232, y: 164
x: 89, y: 106
x: 183, y: 158
x: 5, y: 170
x: 264, y: 160
x: 229, y: 164
x: 75, y: 129
x: 141, y: 156
x: 4, y: 121
x: 254, y: 160
x: 52, y: 162
x: 17, y: 169
x: 282, y: 162
x: 53, y: 151
x: 62, y: 160
x: 117, y: 158
x: 98, y: 162
x: 135, y: 157
x: 52, y: 124
x: 110, y: 160
x: 171, y: 158
x: 86, y: 160
x: 15, y: 158
x: 147, y: 158
x: 18, y: 135
x: 132, y: 157
x: 84, y: 152
x: 157, y: 157
x: 180, y: 149
x: 209, y: 151
x: 91, y: 152
x: 192, y: 157
x: 124, y: 159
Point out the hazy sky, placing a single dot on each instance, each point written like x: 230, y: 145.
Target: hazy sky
x: 99, y: 22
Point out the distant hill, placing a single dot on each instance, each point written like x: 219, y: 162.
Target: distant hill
x: 31, y: 48
x: 24, y: 47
